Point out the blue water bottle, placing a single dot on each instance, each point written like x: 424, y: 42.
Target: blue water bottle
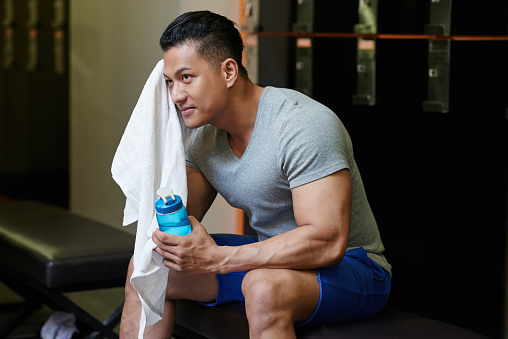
x: 171, y: 213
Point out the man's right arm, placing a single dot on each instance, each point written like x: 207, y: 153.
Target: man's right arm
x: 201, y: 194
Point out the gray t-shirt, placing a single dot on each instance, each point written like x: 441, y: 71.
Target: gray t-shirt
x: 295, y: 140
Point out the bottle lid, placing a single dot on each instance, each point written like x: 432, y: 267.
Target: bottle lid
x: 170, y: 207
x: 164, y: 193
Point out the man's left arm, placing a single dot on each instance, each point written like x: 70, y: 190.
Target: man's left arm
x: 322, y: 211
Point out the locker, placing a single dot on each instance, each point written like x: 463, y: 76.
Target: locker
x: 34, y: 107
x: 437, y: 181
x: 274, y: 52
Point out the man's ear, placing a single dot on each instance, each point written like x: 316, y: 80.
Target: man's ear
x: 230, y: 69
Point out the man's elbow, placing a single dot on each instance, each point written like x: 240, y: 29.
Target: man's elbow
x: 335, y: 252
x: 334, y: 259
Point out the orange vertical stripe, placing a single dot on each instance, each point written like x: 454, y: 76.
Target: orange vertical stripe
x: 240, y: 221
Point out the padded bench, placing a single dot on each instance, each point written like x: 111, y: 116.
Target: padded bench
x: 196, y: 321
x: 46, y: 251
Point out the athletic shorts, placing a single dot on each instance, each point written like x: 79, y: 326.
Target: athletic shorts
x: 355, y: 289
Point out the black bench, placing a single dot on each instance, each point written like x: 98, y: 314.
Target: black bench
x: 195, y: 321
x: 46, y: 251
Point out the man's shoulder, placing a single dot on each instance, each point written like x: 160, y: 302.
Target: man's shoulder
x: 283, y: 94
x: 289, y: 106
x: 277, y: 96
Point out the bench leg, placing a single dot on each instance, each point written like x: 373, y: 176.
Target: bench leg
x: 27, y: 309
x: 38, y: 294
x: 103, y: 330
x: 110, y: 323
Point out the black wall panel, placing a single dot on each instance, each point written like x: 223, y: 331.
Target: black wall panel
x: 437, y: 182
x: 276, y: 52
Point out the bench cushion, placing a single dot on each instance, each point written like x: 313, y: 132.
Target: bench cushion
x: 60, y: 249
x: 229, y: 321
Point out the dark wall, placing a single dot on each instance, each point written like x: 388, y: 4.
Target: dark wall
x: 436, y: 182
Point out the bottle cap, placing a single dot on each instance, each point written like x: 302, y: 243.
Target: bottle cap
x: 164, y: 193
x: 170, y: 207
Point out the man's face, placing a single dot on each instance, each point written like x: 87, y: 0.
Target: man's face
x: 198, y: 91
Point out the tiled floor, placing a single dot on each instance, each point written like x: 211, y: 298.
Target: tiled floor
x: 99, y: 303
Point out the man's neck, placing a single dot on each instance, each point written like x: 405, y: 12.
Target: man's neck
x: 241, y: 116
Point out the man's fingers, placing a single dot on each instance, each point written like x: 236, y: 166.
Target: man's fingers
x: 167, y: 257
x: 162, y: 239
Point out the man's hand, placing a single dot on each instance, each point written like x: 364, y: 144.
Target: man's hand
x: 195, y: 252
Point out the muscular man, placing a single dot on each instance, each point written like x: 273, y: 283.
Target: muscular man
x: 288, y: 162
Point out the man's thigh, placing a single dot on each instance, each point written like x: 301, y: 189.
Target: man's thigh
x: 199, y: 287
x: 355, y: 289
x: 210, y: 289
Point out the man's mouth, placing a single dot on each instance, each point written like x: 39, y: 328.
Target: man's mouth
x: 186, y: 110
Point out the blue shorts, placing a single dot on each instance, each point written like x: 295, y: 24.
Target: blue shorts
x: 355, y: 289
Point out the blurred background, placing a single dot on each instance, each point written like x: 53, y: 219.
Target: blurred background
x: 427, y: 115
x: 62, y: 119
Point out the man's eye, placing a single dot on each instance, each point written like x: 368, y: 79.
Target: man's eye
x: 186, y: 77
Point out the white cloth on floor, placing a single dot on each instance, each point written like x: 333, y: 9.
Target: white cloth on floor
x: 151, y: 154
x: 60, y: 325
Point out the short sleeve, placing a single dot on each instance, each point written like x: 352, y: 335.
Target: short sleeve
x: 190, y: 153
x: 312, y: 145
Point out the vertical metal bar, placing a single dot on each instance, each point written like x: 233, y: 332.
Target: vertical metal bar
x: 111, y: 322
x: 366, y: 54
x: 59, y: 14
x: 59, y: 36
x: 33, y: 35
x: 8, y: 48
x: 8, y: 32
x: 29, y: 307
x: 59, y: 49
x: 8, y: 13
x: 304, y: 47
x: 438, y: 95
x: 251, y: 26
x: 33, y: 13
x: 81, y: 314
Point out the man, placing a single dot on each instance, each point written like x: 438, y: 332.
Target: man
x: 287, y: 161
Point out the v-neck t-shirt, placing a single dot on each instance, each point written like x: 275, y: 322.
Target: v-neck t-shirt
x: 295, y: 140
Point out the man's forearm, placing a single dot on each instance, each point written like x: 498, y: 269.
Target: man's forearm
x: 300, y: 248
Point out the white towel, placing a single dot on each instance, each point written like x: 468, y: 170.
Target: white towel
x: 151, y: 154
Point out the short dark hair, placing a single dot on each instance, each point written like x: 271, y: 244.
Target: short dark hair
x: 216, y: 38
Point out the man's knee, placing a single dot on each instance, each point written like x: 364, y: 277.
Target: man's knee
x: 285, y: 295
x: 268, y: 303
x: 263, y: 289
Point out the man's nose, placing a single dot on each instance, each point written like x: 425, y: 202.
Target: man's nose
x: 177, y: 93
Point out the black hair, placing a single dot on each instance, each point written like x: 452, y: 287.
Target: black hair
x: 216, y: 38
